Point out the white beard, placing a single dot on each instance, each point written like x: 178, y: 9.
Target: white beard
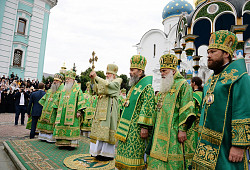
x: 123, y: 96
x: 167, y: 82
x: 68, y: 86
x: 54, y: 87
x: 110, y: 79
x: 133, y: 80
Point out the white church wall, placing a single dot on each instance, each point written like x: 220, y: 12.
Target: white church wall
x: 154, y: 40
x: 7, y: 32
x: 204, y: 73
x: 36, y: 30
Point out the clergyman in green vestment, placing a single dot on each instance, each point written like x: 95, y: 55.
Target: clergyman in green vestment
x: 224, y: 128
x: 69, y: 106
x: 136, y: 120
x: 90, y: 101
x: 196, y: 84
x: 173, y: 142
x: 46, y: 123
x: 105, y: 120
x: 121, y: 100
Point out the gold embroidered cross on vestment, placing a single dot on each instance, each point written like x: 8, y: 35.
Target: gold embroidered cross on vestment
x: 138, y: 89
x: 229, y: 76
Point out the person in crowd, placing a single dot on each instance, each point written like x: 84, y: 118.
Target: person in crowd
x: 172, y: 145
x: 12, y: 75
x: 69, y: 107
x: 137, y: 118
x: 225, y: 108
x: 102, y: 145
x: 21, y: 102
x: 196, y: 84
x: 46, y: 123
x: 35, y: 108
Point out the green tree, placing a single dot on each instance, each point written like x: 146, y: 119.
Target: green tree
x: 125, y: 81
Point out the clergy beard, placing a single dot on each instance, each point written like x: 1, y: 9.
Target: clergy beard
x: 133, y: 80
x: 110, y: 79
x: 124, y: 96
x: 68, y: 86
x: 215, y: 64
x: 167, y: 82
x: 54, y: 87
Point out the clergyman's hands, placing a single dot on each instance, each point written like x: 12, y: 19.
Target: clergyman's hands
x: 182, y: 136
x: 236, y: 154
x: 144, y: 133
x: 92, y: 74
x: 78, y: 114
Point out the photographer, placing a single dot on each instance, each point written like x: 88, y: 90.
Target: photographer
x: 21, y: 102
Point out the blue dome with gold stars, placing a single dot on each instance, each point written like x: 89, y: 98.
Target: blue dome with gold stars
x: 176, y: 7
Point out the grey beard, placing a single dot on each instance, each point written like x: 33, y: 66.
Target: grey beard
x: 68, y: 86
x: 133, y: 80
x: 167, y: 82
x: 54, y: 87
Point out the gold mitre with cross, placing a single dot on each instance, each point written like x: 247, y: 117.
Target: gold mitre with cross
x: 88, y: 84
x: 138, y: 61
x: 58, y: 77
x: 112, y: 68
x: 123, y: 90
x: 223, y: 40
x: 168, y: 61
x: 70, y: 74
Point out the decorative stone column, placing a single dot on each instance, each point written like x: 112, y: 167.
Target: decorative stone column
x: 178, y: 52
x: 189, y: 39
x: 238, y: 30
x: 196, y: 64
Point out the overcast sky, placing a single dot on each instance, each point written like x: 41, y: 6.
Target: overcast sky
x: 110, y: 28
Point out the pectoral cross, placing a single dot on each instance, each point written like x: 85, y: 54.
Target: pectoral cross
x: 138, y: 89
x: 67, y: 96
x: 171, y: 91
x: 50, y: 99
x: 93, y: 59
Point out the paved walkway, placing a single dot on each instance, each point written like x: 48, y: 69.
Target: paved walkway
x: 10, y: 132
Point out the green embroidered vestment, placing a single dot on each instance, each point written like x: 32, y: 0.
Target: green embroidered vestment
x: 197, y: 103
x: 131, y: 147
x: 173, y: 110
x: 225, y: 118
x: 67, y: 126
x: 47, y: 120
x: 90, y: 106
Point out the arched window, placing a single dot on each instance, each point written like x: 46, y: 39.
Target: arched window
x: 21, y: 26
x: 17, y: 61
x: 154, y: 50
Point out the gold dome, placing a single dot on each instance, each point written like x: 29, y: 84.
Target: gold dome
x: 197, y: 2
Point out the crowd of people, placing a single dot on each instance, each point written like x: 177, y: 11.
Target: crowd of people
x: 182, y: 127
x: 10, y: 85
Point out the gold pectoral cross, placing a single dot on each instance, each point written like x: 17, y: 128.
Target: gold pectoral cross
x: 138, y: 89
x: 172, y: 91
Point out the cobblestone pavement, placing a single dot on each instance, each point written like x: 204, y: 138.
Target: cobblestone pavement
x: 10, y: 132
